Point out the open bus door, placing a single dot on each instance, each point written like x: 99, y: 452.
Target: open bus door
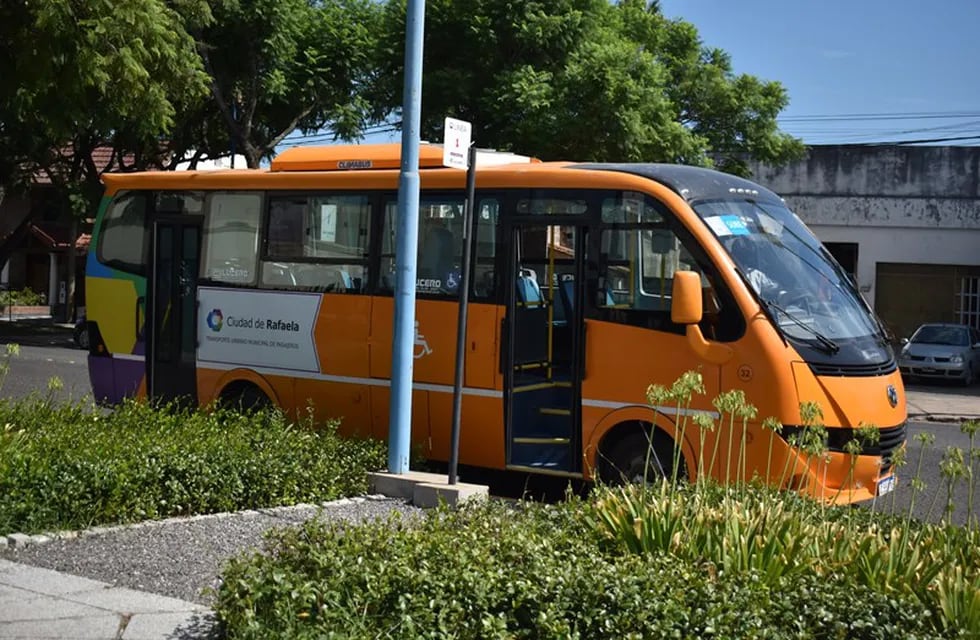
x: 543, y: 350
x: 171, y: 333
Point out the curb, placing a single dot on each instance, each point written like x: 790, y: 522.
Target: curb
x: 21, y: 540
x: 950, y: 418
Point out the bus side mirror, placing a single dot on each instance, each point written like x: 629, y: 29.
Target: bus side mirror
x: 685, y: 308
x: 686, y: 298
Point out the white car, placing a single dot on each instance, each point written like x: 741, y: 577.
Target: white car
x: 942, y: 352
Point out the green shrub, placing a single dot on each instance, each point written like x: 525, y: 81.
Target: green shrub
x: 771, y: 536
x: 25, y: 297
x: 534, y: 571
x: 71, y: 466
x: 646, y: 561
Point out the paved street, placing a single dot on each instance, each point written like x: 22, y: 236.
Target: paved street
x: 46, y: 351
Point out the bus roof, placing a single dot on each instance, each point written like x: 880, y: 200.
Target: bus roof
x: 376, y: 165
x: 377, y: 156
x: 694, y: 184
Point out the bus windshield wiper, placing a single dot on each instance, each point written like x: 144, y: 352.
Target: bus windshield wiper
x: 829, y: 345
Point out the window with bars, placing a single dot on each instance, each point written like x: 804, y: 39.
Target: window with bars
x: 968, y: 302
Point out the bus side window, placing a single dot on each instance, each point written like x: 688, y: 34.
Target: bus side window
x: 231, y: 237
x: 124, y: 241
x: 179, y: 202
x: 639, y: 253
x: 484, y: 278
x: 440, y: 247
x: 317, y: 243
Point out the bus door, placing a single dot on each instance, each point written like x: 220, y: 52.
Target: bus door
x: 172, y: 309
x: 542, y: 349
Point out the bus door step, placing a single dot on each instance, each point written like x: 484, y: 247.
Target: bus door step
x: 543, y: 452
x: 551, y: 384
x: 543, y: 441
x: 548, y: 411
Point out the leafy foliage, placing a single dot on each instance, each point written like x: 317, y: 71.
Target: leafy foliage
x: 64, y: 467
x: 81, y: 74
x: 531, y: 571
x: 587, y: 80
x: 279, y: 65
x: 654, y: 559
x: 26, y: 297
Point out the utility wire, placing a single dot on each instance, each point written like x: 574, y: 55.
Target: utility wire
x: 923, y: 140
x: 864, y: 117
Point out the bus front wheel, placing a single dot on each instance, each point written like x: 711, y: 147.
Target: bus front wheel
x: 637, y: 458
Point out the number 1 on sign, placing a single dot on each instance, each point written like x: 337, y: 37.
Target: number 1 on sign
x: 456, y: 144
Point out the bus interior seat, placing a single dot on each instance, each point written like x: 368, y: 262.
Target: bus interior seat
x: 277, y: 275
x: 485, y: 284
x: 438, y: 257
x: 325, y: 279
x: 566, y: 292
x: 336, y: 281
x: 528, y: 290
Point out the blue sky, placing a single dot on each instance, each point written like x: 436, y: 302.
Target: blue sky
x: 847, y: 57
x: 855, y: 70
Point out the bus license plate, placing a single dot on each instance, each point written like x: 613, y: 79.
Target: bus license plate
x: 886, y: 485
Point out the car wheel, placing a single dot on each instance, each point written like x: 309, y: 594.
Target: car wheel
x: 81, y: 336
x: 970, y: 377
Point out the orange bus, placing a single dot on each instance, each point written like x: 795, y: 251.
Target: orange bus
x: 589, y: 283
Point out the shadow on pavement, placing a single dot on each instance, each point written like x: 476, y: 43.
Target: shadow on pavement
x: 200, y: 627
x: 36, y: 333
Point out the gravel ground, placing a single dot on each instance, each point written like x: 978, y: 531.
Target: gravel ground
x: 180, y: 558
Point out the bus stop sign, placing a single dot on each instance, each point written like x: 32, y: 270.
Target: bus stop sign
x: 456, y: 143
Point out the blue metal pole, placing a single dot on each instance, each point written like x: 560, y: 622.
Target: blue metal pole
x: 407, y: 236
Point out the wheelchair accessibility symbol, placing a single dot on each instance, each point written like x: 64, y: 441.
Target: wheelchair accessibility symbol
x: 421, y: 345
x: 452, y: 280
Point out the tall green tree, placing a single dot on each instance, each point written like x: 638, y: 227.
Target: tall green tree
x: 585, y: 80
x: 83, y: 74
x: 278, y: 66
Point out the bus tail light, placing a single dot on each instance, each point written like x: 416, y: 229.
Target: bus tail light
x: 96, y: 343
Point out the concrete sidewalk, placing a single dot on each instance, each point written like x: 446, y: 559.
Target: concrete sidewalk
x: 942, y: 403
x: 39, y: 603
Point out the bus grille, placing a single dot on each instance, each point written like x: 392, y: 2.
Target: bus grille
x: 890, y: 440
x: 854, y: 370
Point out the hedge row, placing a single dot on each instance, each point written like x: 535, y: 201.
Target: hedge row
x: 67, y: 467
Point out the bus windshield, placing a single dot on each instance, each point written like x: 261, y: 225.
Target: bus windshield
x: 806, y: 292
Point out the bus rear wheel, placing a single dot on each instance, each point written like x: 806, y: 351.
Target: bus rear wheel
x: 245, y: 398
x: 637, y: 458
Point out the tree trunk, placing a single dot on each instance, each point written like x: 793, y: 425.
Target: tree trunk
x: 70, y: 292
x: 13, y: 241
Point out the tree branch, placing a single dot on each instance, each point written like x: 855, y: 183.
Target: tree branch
x: 289, y: 128
x: 219, y: 97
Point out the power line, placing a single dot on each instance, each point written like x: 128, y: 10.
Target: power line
x: 865, y: 117
x: 313, y: 139
x: 924, y: 140
x: 325, y: 135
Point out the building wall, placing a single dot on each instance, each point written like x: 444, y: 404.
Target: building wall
x: 901, y: 205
